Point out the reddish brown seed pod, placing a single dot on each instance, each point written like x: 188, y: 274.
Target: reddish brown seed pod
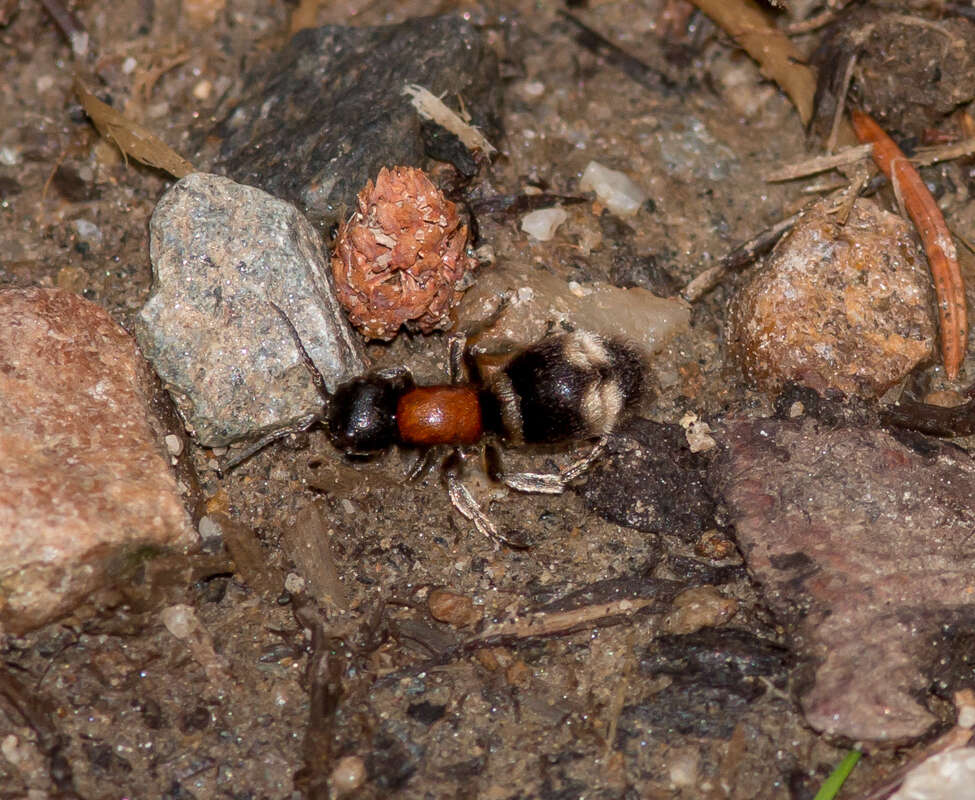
x: 429, y: 415
x: 402, y: 257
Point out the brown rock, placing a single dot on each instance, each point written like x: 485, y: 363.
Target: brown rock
x: 85, y: 484
x: 455, y: 609
x: 836, y: 306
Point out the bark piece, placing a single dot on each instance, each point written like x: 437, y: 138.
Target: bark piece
x: 863, y: 546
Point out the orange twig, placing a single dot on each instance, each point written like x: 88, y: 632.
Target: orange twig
x: 937, y: 241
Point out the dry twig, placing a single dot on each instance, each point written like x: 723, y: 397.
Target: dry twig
x: 549, y: 623
x: 69, y: 25
x: 737, y: 259
x: 924, y: 156
x: 935, y: 236
x: 820, y: 164
x: 632, y: 66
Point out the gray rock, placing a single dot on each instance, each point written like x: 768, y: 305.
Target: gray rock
x: 86, y: 490
x: 863, y: 547
x: 328, y: 111
x: 221, y: 254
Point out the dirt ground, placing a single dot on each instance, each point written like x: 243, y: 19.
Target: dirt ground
x: 562, y: 717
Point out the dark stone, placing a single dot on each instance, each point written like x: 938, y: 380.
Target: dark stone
x: 686, y: 708
x: 103, y: 758
x: 905, y: 95
x: 425, y: 712
x: 152, y: 714
x: 196, y: 720
x: 9, y: 186
x: 328, y: 111
x: 391, y: 763
x: 723, y: 656
x: 648, y: 479
x: 629, y: 269
x: 72, y: 187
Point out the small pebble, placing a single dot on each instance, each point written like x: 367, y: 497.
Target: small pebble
x: 700, y: 607
x: 543, y: 223
x: 613, y: 189
x: 454, y: 609
x: 348, y: 775
x: 541, y: 300
x: 180, y: 620
x: 231, y: 365
x: 203, y: 90
x: 294, y: 583
x: 713, y: 545
x: 10, y: 747
x: 519, y: 675
x: 174, y: 444
x: 698, y: 433
x: 683, y: 764
x: 210, y: 530
x: 88, y: 231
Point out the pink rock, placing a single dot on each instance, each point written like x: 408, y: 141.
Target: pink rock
x: 862, y: 545
x: 85, y: 485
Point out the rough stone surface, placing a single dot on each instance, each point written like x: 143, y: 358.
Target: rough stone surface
x: 863, y: 546
x: 648, y: 479
x: 905, y: 95
x: 85, y: 484
x: 836, y: 306
x: 539, y: 300
x: 221, y: 254
x: 329, y: 111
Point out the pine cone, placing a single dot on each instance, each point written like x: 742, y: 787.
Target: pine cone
x: 402, y: 257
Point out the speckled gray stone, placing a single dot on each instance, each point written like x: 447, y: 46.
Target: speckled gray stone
x: 328, y: 111
x: 221, y: 254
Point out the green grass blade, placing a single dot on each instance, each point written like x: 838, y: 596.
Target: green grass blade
x: 832, y: 785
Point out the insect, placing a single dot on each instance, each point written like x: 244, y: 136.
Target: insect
x: 567, y: 388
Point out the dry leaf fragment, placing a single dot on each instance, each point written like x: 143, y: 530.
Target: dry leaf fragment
x: 132, y: 138
x: 431, y: 107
